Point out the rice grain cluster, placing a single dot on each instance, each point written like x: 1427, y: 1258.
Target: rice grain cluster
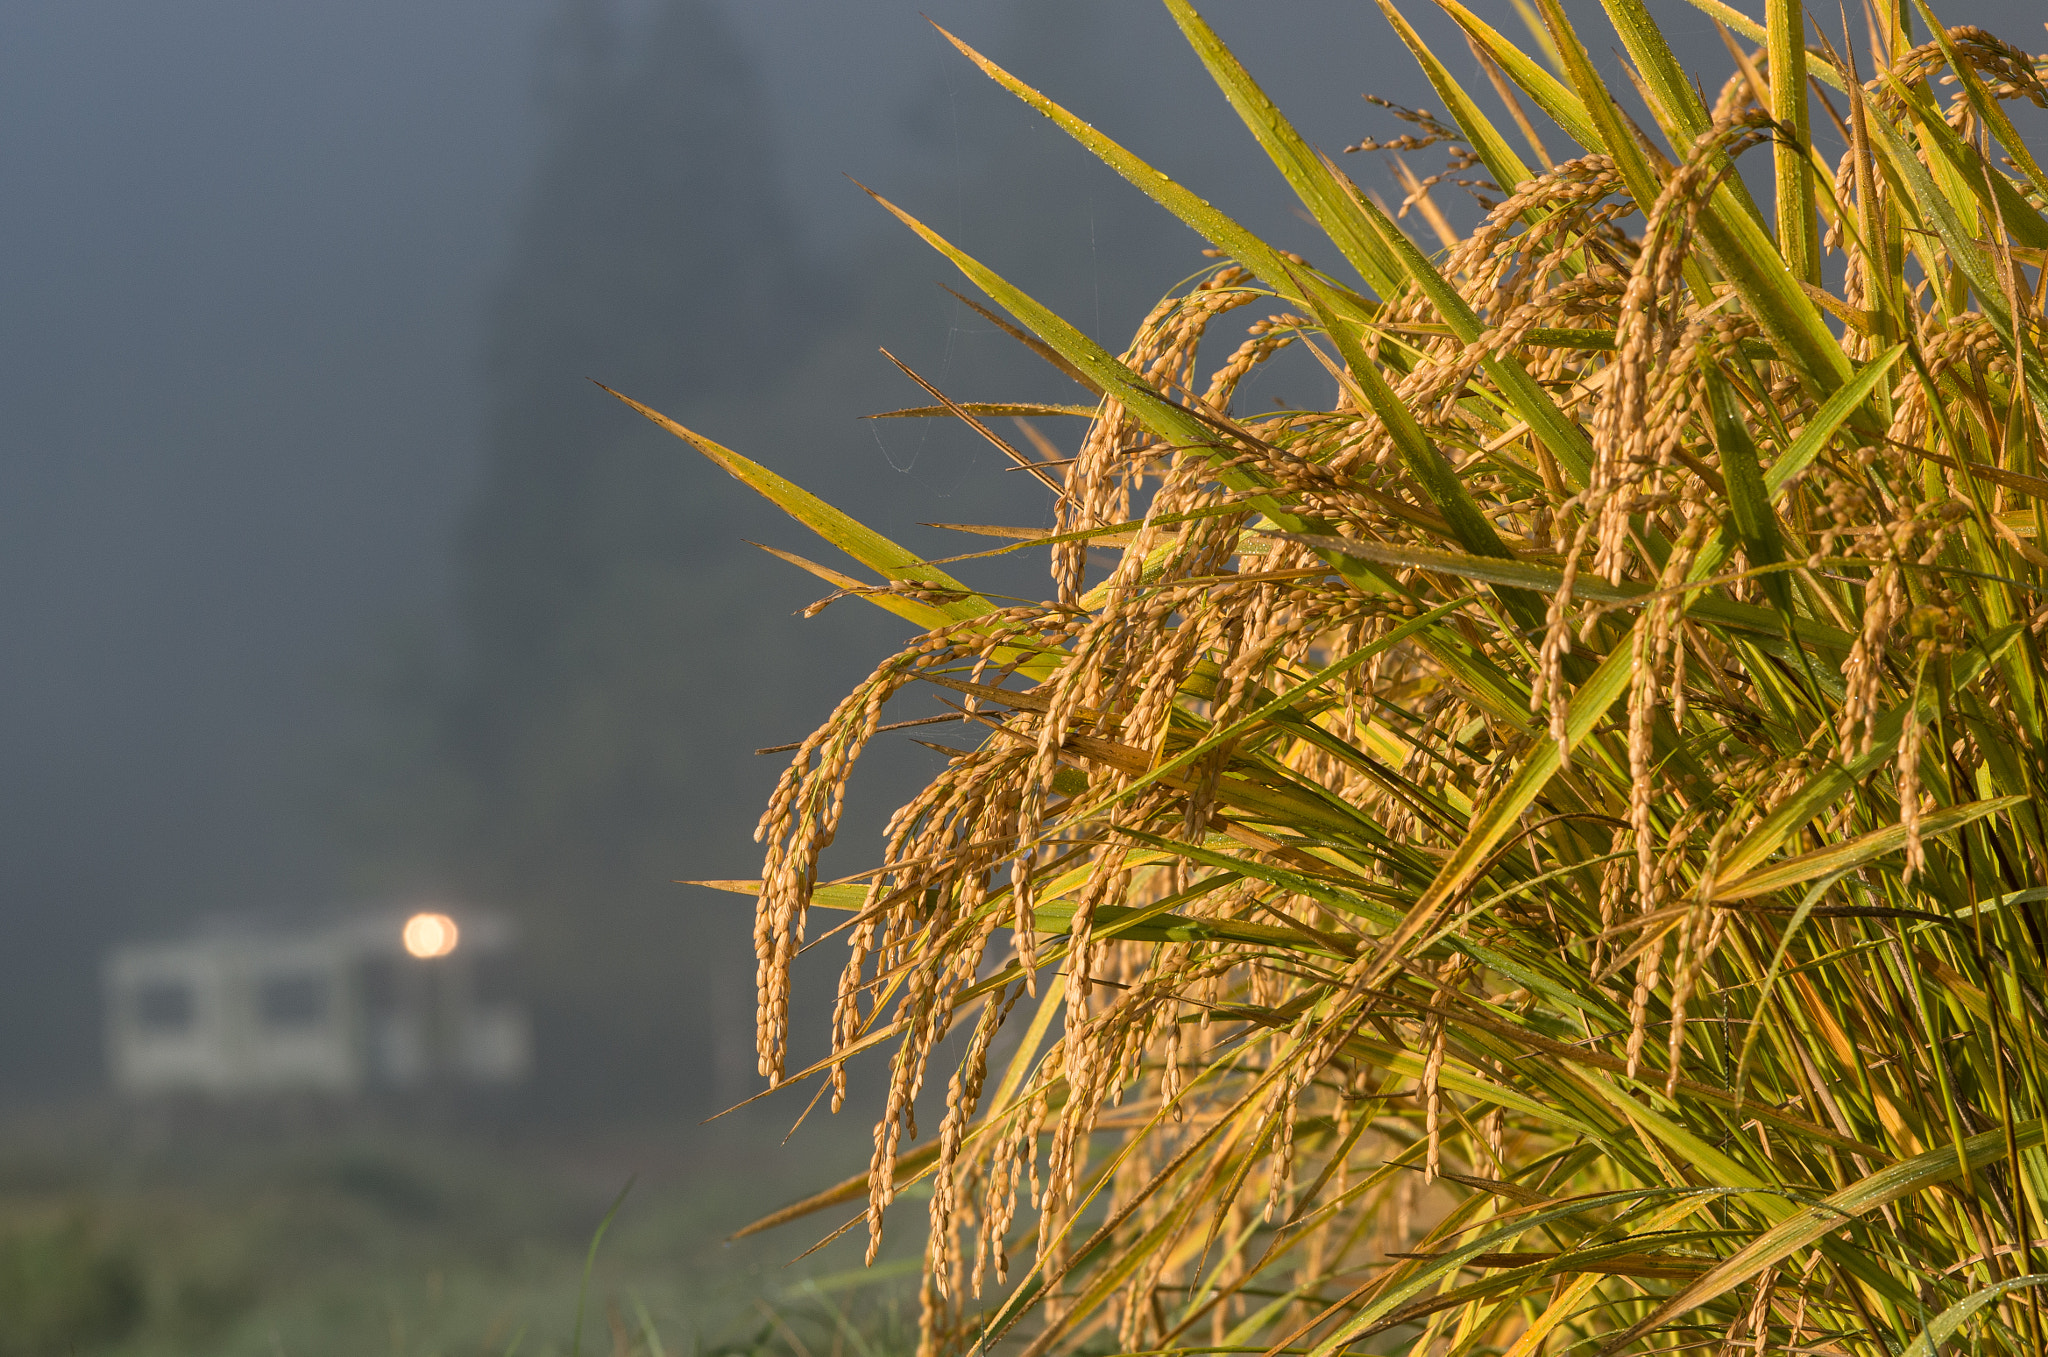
x: 1542, y: 854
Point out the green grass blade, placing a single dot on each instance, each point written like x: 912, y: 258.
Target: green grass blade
x: 854, y: 538
x: 1212, y: 224
x: 910, y: 610
x: 1439, y: 482
x: 1548, y: 579
x: 1748, y: 257
x: 1950, y: 1321
x: 1856, y: 852
x: 649, y: 1334
x: 1817, y: 65
x: 1792, y: 165
x: 1811, y: 1224
x: 1674, y: 103
x: 1549, y: 93
x: 1611, y: 132
x: 1734, y: 237
x: 590, y: 1262
x: 1937, y: 210
x: 1749, y: 503
x: 1449, y: 1262
x: 1488, y: 144
x: 1987, y: 107
x: 1829, y: 419
x: 1497, y: 819
x: 1333, y: 209
x: 1163, y: 417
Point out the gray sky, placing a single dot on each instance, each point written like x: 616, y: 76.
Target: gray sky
x: 243, y: 249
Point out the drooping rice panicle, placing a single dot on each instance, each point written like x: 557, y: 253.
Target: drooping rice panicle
x: 1541, y: 853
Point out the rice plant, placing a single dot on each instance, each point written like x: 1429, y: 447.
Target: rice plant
x: 1542, y: 854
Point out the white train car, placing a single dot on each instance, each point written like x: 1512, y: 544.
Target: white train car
x: 338, y: 1004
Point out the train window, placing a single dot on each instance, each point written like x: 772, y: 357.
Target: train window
x: 292, y: 999
x: 163, y: 1007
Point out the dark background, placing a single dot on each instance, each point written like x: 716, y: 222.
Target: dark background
x: 327, y: 575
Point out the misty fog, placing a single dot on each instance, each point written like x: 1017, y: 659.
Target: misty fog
x: 333, y: 579
x: 331, y: 576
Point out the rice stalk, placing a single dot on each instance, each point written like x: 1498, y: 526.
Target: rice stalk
x: 1543, y: 853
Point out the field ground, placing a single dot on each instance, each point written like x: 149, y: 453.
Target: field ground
x: 322, y: 1231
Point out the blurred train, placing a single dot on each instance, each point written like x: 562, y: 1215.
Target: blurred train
x: 337, y: 1003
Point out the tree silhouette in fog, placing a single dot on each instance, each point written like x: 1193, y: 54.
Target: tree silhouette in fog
x: 618, y: 658
x: 655, y: 255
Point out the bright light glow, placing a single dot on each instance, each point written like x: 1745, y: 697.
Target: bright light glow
x: 430, y: 935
